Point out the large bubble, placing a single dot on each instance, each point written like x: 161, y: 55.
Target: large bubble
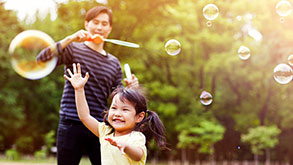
x: 173, y: 47
x: 283, y: 73
x: 206, y: 98
x: 243, y: 52
x: 24, y: 49
x: 290, y: 60
x: 210, y: 12
x: 283, y: 8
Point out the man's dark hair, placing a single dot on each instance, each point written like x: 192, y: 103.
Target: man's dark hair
x: 93, y: 12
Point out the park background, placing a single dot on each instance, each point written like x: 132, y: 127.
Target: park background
x: 249, y: 119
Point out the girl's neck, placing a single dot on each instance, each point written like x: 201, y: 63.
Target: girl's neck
x: 116, y: 133
x: 97, y: 47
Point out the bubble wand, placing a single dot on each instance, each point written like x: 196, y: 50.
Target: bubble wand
x: 99, y: 39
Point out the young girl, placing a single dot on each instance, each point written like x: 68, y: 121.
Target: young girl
x: 121, y: 137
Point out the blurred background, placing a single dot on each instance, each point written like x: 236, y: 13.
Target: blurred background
x: 246, y: 114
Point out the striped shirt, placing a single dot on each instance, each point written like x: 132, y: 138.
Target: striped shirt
x: 105, y: 75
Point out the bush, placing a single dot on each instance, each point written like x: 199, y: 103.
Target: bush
x: 41, y: 154
x: 12, y: 154
x: 25, y: 145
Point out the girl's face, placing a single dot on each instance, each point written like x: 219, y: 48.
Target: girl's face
x: 122, y: 116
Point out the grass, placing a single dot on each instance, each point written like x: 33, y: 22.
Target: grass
x: 30, y: 160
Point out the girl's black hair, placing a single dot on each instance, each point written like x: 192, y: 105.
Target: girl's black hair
x: 151, y: 126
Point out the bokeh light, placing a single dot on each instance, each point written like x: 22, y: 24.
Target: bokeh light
x: 283, y: 73
x: 206, y: 98
x: 24, y: 49
x: 173, y: 47
x: 243, y: 52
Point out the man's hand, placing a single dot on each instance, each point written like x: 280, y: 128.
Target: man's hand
x: 80, y: 36
x: 132, y: 83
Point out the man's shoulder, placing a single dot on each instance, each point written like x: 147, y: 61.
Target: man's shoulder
x: 77, y: 44
x: 112, y: 57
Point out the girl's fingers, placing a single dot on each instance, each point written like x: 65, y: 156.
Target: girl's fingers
x: 69, y: 72
x: 65, y: 76
x: 87, y: 76
x: 74, y: 68
x: 78, y: 68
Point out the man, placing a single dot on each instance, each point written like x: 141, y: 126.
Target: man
x: 105, y: 75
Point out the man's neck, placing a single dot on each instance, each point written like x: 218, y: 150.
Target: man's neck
x: 97, y: 47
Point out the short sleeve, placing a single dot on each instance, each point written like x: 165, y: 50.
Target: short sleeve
x: 103, y: 130
x: 139, y: 140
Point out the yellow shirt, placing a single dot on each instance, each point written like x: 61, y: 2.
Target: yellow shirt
x: 111, y: 155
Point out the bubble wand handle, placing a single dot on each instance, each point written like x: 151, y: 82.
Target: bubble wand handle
x: 127, y: 71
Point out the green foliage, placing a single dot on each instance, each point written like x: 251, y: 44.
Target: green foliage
x: 40, y: 154
x: 12, y: 154
x: 206, y: 134
x: 261, y: 137
x: 24, y: 144
x: 49, y: 140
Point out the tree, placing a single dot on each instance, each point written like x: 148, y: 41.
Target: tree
x: 261, y: 138
x: 206, y: 134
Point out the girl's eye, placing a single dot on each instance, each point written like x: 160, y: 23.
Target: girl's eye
x: 125, y: 110
x: 114, y: 108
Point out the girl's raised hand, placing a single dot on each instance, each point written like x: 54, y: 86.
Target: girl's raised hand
x: 76, y: 79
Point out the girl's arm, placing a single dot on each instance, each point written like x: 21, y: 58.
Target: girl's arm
x: 78, y: 82
x: 135, y: 153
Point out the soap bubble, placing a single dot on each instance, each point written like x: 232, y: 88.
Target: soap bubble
x: 283, y: 8
x: 290, y: 60
x: 24, y: 49
x: 206, y: 98
x: 283, y: 73
x: 173, y: 47
x: 244, y: 52
x: 210, y: 12
x: 209, y: 23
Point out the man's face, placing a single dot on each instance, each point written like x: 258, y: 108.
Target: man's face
x: 99, y: 25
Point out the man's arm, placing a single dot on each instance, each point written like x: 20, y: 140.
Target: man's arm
x: 79, y: 36
x: 52, y: 50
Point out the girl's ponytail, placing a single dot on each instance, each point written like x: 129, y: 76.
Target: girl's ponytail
x: 153, y: 127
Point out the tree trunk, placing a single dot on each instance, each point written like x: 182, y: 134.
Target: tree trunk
x: 268, y: 157
x: 212, y: 156
x: 255, y: 159
x: 183, y: 156
x: 154, y: 160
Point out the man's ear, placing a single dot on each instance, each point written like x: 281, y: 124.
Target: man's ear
x: 140, y: 117
x: 86, y: 24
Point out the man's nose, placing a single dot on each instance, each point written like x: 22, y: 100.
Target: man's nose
x: 99, y: 26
